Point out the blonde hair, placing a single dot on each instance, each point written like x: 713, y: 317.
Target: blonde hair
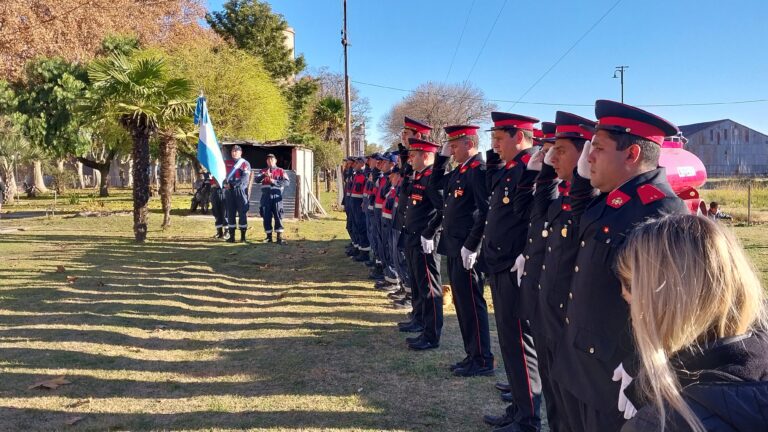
x: 691, y: 283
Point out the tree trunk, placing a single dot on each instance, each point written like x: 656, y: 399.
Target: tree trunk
x: 101, y: 171
x: 8, y: 171
x: 130, y: 173
x: 327, y: 180
x: 167, y: 175
x: 80, y: 176
x: 140, y: 173
x: 38, y: 176
x: 97, y: 177
x: 60, y: 165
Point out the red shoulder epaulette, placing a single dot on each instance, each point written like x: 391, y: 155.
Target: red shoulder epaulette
x: 510, y: 164
x: 688, y: 193
x: 617, y: 199
x: 475, y: 164
x: 427, y: 172
x: 525, y: 158
x: 649, y: 193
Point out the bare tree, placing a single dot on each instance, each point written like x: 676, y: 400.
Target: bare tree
x: 439, y: 105
x: 332, y: 84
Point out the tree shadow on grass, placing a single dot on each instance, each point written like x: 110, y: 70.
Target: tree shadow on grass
x: 247, y: 332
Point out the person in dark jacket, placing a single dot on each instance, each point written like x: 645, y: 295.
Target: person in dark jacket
x: 699, y: 323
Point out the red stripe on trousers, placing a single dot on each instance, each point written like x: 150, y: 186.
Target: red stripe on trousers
x: 477, y: 320
x: 525, y: 363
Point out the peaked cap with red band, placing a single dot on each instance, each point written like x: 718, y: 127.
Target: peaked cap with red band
x: 618, y: 117
x: 459, y: 131
x: 573, y: 126
x: 416, y: 144
x: 548, y: 128
x: 416, y: 126
x: 502, y: 121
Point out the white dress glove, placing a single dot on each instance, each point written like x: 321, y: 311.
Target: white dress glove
x: 582, y: 166
x: 518, y: 267
x: 446, y: 150
x: 427, y: 246
x: 534, y: 163
x: 468, y: 258
x: 625, y: 406
x: 548, y: 157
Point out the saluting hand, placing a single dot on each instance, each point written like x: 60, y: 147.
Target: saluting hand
x: 582, y: 166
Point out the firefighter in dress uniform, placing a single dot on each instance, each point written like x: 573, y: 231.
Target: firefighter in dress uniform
x: 272, y: 179
x: 511, y: 187
x: 595, y: 359
x: 466, y: 204
x: 423, y: 217
x: 236, y: 186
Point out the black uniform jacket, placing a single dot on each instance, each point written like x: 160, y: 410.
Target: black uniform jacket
x: 424, y: 208
x: 509, y: 210
x: 726, y: 386
x: 545, y: 192
x: 466, y: 204
x: 562, y: 246
x: 597, y: 335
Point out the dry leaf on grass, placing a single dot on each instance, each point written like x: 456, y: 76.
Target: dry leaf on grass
x: 50, y: 384
x: 74, y: 420
x: 242, y: 300
x: 60, y: 269
x: 71, y: 279
x: 160, y: 327
x: 78, y: 403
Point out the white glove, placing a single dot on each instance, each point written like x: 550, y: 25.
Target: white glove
x: 468, y: 257
x: 446, y: 150
x: 534, y: 164
x: 548, y: 157
x: 582, y: 166
x: 625, y: 406
x: 427, y: 246
x: 518, y: 267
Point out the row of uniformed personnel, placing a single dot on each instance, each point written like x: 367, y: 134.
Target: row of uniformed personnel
x: 542, y: 224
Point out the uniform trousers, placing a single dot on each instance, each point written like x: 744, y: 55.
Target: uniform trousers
x: 517, y: 351
x: 471, y: 311
x: 427, y: 292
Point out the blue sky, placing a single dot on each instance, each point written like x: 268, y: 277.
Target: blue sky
x: 678, y: 52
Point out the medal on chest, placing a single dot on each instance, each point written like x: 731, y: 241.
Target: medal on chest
x: 505, y: 200
x: 458, y: 192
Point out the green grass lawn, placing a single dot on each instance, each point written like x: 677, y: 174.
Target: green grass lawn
x: 188, y: 333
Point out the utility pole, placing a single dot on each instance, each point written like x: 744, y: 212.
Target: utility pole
x: 620, y: 70
x: 347, y: 98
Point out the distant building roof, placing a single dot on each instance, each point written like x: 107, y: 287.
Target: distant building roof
x: 691, y: 129
x: 275, y: 143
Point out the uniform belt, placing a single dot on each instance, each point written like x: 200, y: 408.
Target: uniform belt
x: 378, y: 206
x: 356, y: 195
x: 387, y: 215
x: 370, y: 207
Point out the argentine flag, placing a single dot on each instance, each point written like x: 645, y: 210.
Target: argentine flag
x: 208, y: 150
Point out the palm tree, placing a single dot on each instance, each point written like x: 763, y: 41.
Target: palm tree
x: 142, y: 98
x: 328, y: 118
x: 169, y: 140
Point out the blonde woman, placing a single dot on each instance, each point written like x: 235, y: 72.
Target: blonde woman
x: 699, y: 321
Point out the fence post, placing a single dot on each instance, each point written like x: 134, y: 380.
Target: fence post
x: 297, y: 211
x: 749, y: 203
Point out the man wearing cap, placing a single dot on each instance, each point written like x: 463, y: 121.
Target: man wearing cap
x: 559, y: 201
x: 424, y: 214
x: 371, y: 172
x: 511, y: 186
x: 272, y: 180
x: 219, y: 203
x: 597, y: 346
x: 347, y: 171
x: 357, y: 188
x: 391, y: 282
x: 412, y: 128
x: 384, y: 270
x: 236, y: 195
x: 466, y: 205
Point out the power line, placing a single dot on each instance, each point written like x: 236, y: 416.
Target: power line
x: 749, y: 101
x: 546, y: 72
x: 461, y: 36
x: 488, y: 36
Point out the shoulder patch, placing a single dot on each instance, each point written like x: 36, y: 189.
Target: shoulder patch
x: 427, y: 173
x: 475, y: 164
x: 525, y: 158
x: 649, y: 193
x: 510, y: 164
x: 617, y: 199
x: 688, y: 193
